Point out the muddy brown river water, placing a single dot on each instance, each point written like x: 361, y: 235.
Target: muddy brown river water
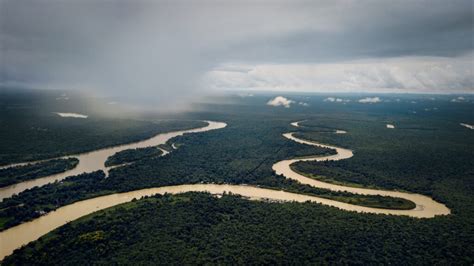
x: 22, y: 234
x: 94, y: 161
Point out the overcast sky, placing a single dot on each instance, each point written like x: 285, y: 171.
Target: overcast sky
x: 174, y: 50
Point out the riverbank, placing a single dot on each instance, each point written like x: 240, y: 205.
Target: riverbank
x: 426, y: 207
x: 95, y: 160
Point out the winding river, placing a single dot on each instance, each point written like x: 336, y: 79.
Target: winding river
x: 22, y: 234
x: 94, y: 161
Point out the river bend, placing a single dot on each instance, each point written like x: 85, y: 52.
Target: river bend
x: 22, y: 234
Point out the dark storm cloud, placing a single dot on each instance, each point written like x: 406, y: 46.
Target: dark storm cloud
x: 372, y: 29
x: 160, y: 49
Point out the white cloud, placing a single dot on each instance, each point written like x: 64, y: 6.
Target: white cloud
x: 458, y: 99
x: 303, y: 104
x: 280, y: 101
x: 62, y: 97
x: 405, y: 74
x: 467, y: 125
x: 338, y: 100
x: 73, y: 115
x: 370, y: 100
x: 160, y: 48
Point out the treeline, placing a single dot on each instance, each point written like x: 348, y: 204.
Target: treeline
x: 400, y: 159
x: 132, y: 155
x: 37, y: 201
x: 435, y: 162
x: 13, y: 175
x: 44, y: 136
x: 241, y: 153
x: 196, y: 228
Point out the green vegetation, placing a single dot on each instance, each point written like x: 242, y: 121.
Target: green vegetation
x: 59, y: 136
x: 241, y: 153
x: 399, y: 159
x: 196, y: 228
x: 306, y: 169
x: 18, y: 174
x: 34, y: 202
x: 47, y: 198
x: 132, y: 155
x: 376, y: 202
x: 33, y: 132
x: 428, y: 152
x: 167, y: 147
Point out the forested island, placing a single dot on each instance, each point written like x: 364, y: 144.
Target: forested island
x: 427, y: 153
x: 284, y: 132
x: 132, y: 155
x: 36, y: 132
x: 243, y: 153
x: 17, y: 174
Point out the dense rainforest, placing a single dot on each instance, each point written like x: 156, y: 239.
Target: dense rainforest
x: 241, y: 153
x: 17, y: 174
x: 197, y: 228
x: 419, y: 155
x: 33, y: 131
x: 132, y: 155
x: 427, y: 152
